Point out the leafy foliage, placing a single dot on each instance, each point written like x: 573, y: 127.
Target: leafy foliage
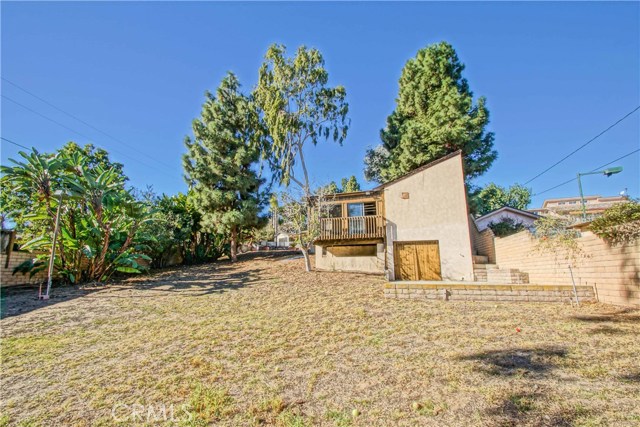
x: 99, y: 219
x: 492, y: 197
x: 297, y: 106
x: 31, y: 266
x: 348, y: 185
x: 620, y: 224
x: 435, y: 115
x: 176, y: 234
x: 554, y: 235
x: 300, y: 217
x: 506, y: 227
x: 220, y: 163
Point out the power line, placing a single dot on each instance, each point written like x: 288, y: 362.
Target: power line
x: 583, y: 145
x: 593, y: 170
x: 15, y: 143
x: 85, y: 123
x: 76, y: 132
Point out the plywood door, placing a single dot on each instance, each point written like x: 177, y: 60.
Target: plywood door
x: 417, y: 260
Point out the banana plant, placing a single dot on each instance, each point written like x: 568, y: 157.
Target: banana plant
x: 100, y: 220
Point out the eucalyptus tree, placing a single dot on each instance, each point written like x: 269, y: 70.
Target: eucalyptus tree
x: 298, y: 107
x: 220, y: 163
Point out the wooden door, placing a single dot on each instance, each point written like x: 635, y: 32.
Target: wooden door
x: 417, y: 260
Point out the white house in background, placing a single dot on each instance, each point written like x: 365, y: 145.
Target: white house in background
x: 594, y: 205
x: 282, y: 240
x: 519, y: 216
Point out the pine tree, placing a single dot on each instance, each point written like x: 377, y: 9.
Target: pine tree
x: 351, y: 184
x: 435, y: 115
x: 220, y: 162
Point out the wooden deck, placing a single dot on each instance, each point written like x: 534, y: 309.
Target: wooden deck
x: 352, y: 228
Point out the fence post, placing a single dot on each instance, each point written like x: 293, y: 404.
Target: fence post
x: 575, y: 291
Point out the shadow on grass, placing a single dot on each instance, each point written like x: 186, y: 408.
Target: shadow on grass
x: 530, y: 409
x: 633, y: 377
x: 193, y: 280
x: 626, y: 315
x: 21, y: 299
x: 607, y: 330
x: 519, y: 361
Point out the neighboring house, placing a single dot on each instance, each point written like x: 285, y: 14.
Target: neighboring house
x: 594, y: 205
x: 282, y: 240
x: 506, y: 212
x: 416, y: 227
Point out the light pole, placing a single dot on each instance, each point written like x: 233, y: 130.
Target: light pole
x: 60, y: 194
x: 606, y: 172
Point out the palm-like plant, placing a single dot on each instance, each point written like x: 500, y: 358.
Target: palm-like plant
x: 99, y: 219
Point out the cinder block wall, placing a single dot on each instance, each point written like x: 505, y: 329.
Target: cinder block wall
x: 614, y: 271
x: 17, y: 258
x: 483, y: 243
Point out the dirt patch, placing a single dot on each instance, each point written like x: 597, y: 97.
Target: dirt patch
x: 261, y: 342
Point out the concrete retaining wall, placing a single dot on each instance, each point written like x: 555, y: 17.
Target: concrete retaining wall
x: 462, y: 292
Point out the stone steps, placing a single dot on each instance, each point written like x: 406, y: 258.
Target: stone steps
x: 487, y: 292
x: 480, y: 259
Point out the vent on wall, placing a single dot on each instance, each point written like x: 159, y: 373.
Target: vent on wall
x: 404, y: 195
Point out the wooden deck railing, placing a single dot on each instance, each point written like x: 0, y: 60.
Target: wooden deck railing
x: 354, y: 227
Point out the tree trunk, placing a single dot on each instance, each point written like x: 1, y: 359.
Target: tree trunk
x: 234, y: 244
x: 307, y: 260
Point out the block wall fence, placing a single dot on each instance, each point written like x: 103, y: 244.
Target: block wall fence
x: 613, y: 271
x: 17, y: 258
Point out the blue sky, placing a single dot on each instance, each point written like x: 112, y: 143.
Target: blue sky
x: 554, y: 74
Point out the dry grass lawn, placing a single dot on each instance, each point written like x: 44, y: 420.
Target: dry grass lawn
x: 263, y: 343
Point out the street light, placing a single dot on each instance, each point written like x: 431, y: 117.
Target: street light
x: 606, y: 172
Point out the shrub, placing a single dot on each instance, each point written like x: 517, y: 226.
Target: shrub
x: 619, y: 224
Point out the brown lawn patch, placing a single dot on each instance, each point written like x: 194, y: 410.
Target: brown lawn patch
x: 263, y: 343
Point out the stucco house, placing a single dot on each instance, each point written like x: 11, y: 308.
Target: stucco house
x: 506, y: 212
x: 416, y: 227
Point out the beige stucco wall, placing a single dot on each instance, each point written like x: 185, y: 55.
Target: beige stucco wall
x: 367, y: 264
x: 435, y: 210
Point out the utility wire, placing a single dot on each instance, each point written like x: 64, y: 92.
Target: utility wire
x: 583, y: 145
x: 129, y: 146
x: 14, y: 143
x: 593, y: 170
x: 78, y: 133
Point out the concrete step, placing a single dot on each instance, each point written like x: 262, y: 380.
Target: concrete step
x: 484, y: 266
x: 499, y: 275
x: 480, y: 259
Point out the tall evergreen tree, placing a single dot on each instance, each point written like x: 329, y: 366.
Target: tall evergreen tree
x: 435, y: 115
x: 351, y: 184
x: 220, y: 162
